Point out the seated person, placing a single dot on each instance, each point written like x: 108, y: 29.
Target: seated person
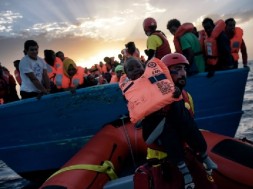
x: 176, y: 124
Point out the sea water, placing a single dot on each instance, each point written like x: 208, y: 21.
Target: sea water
x: 10, y: 180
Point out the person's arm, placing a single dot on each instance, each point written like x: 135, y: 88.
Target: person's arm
x: 46, y: 80
x: 36, y: 82
x: 189, y: 54
x: 244, y: 53
x: 150, y: 53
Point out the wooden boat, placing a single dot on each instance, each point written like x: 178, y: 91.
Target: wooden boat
x: 99, y: 163
x: 42, y: 134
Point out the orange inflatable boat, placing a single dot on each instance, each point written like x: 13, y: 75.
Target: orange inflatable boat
x: 100, y: 160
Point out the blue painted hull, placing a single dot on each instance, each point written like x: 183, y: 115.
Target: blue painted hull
x: 43, y: 134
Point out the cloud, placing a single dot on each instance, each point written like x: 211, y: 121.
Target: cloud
x: 7, y: 20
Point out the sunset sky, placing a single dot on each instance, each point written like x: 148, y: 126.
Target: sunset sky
x: 87, y: 31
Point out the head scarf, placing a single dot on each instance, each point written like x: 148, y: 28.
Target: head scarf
x: 66, y: 63
x: 119, y: 68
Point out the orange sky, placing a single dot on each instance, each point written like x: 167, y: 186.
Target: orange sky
x: 87, y: 31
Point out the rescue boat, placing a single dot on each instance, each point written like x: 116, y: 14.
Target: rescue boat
x: 58, y: 125
x: 101, y: 163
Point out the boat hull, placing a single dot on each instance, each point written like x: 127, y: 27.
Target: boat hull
x: 58, y: 125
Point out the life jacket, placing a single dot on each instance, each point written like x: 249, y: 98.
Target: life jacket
x: 157, y: 152
x: 211, y: 48
x: 201, y: 38
x: 114, y: 79
x: 184, y: 28
x: 102, y: 69
x: 149, y: 93
x: 188, y: 102
x: 164, y: 49
x: 52, y: 70
x: 58, y: 64
x: 64, y: 82
x: 17, y: 76
x: 236, y: 42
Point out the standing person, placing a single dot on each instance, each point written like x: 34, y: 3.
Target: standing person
x: 119, y: 71
x: 33, y: 72
x: 60, y: 55
x: 54, y: 64
x: 187, y: 44
x: 71, y: 77
x: 17, y: 72
x: 8, y: 92
x: 217, y: 47
x: 235, y: 34
x: 130, y: 50
x: 157, y: 43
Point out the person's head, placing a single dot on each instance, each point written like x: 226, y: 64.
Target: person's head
x: 177, y: 65
x: 49, y: 56
x: 120, y: 56
x: 173, y: 25
x: 133, y: 68
x: 60, y: 55
x: 16, y: 64
x: 208, y: 25
x: 230, y: 26
x: 31, y: 48
x: 119, y: 70
x: 130, y: 47
x: 149, y: 26
x: 70, y: 67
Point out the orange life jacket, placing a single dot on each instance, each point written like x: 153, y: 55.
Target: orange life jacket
x: 184, y: 28
x: 202, y: 37
x: 188, y: 102
x: 149, y: 93
x: 164, y: 48
x: 211, y: 48
x: 17, y: 76
x: 102, y: 69
x: 236, y: 42
x: 52, y: 70
x: 114, y: 79
x: 64, y: 82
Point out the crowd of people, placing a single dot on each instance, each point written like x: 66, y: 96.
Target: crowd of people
x: 212, y: 49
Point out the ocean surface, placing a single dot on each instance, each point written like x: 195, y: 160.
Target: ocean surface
x: 11, y: 180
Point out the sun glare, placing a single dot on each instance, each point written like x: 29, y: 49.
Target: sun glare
x: 97, y: 58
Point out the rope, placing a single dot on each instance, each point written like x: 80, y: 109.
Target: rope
x: 128, y: 140
x: 107, y: 167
